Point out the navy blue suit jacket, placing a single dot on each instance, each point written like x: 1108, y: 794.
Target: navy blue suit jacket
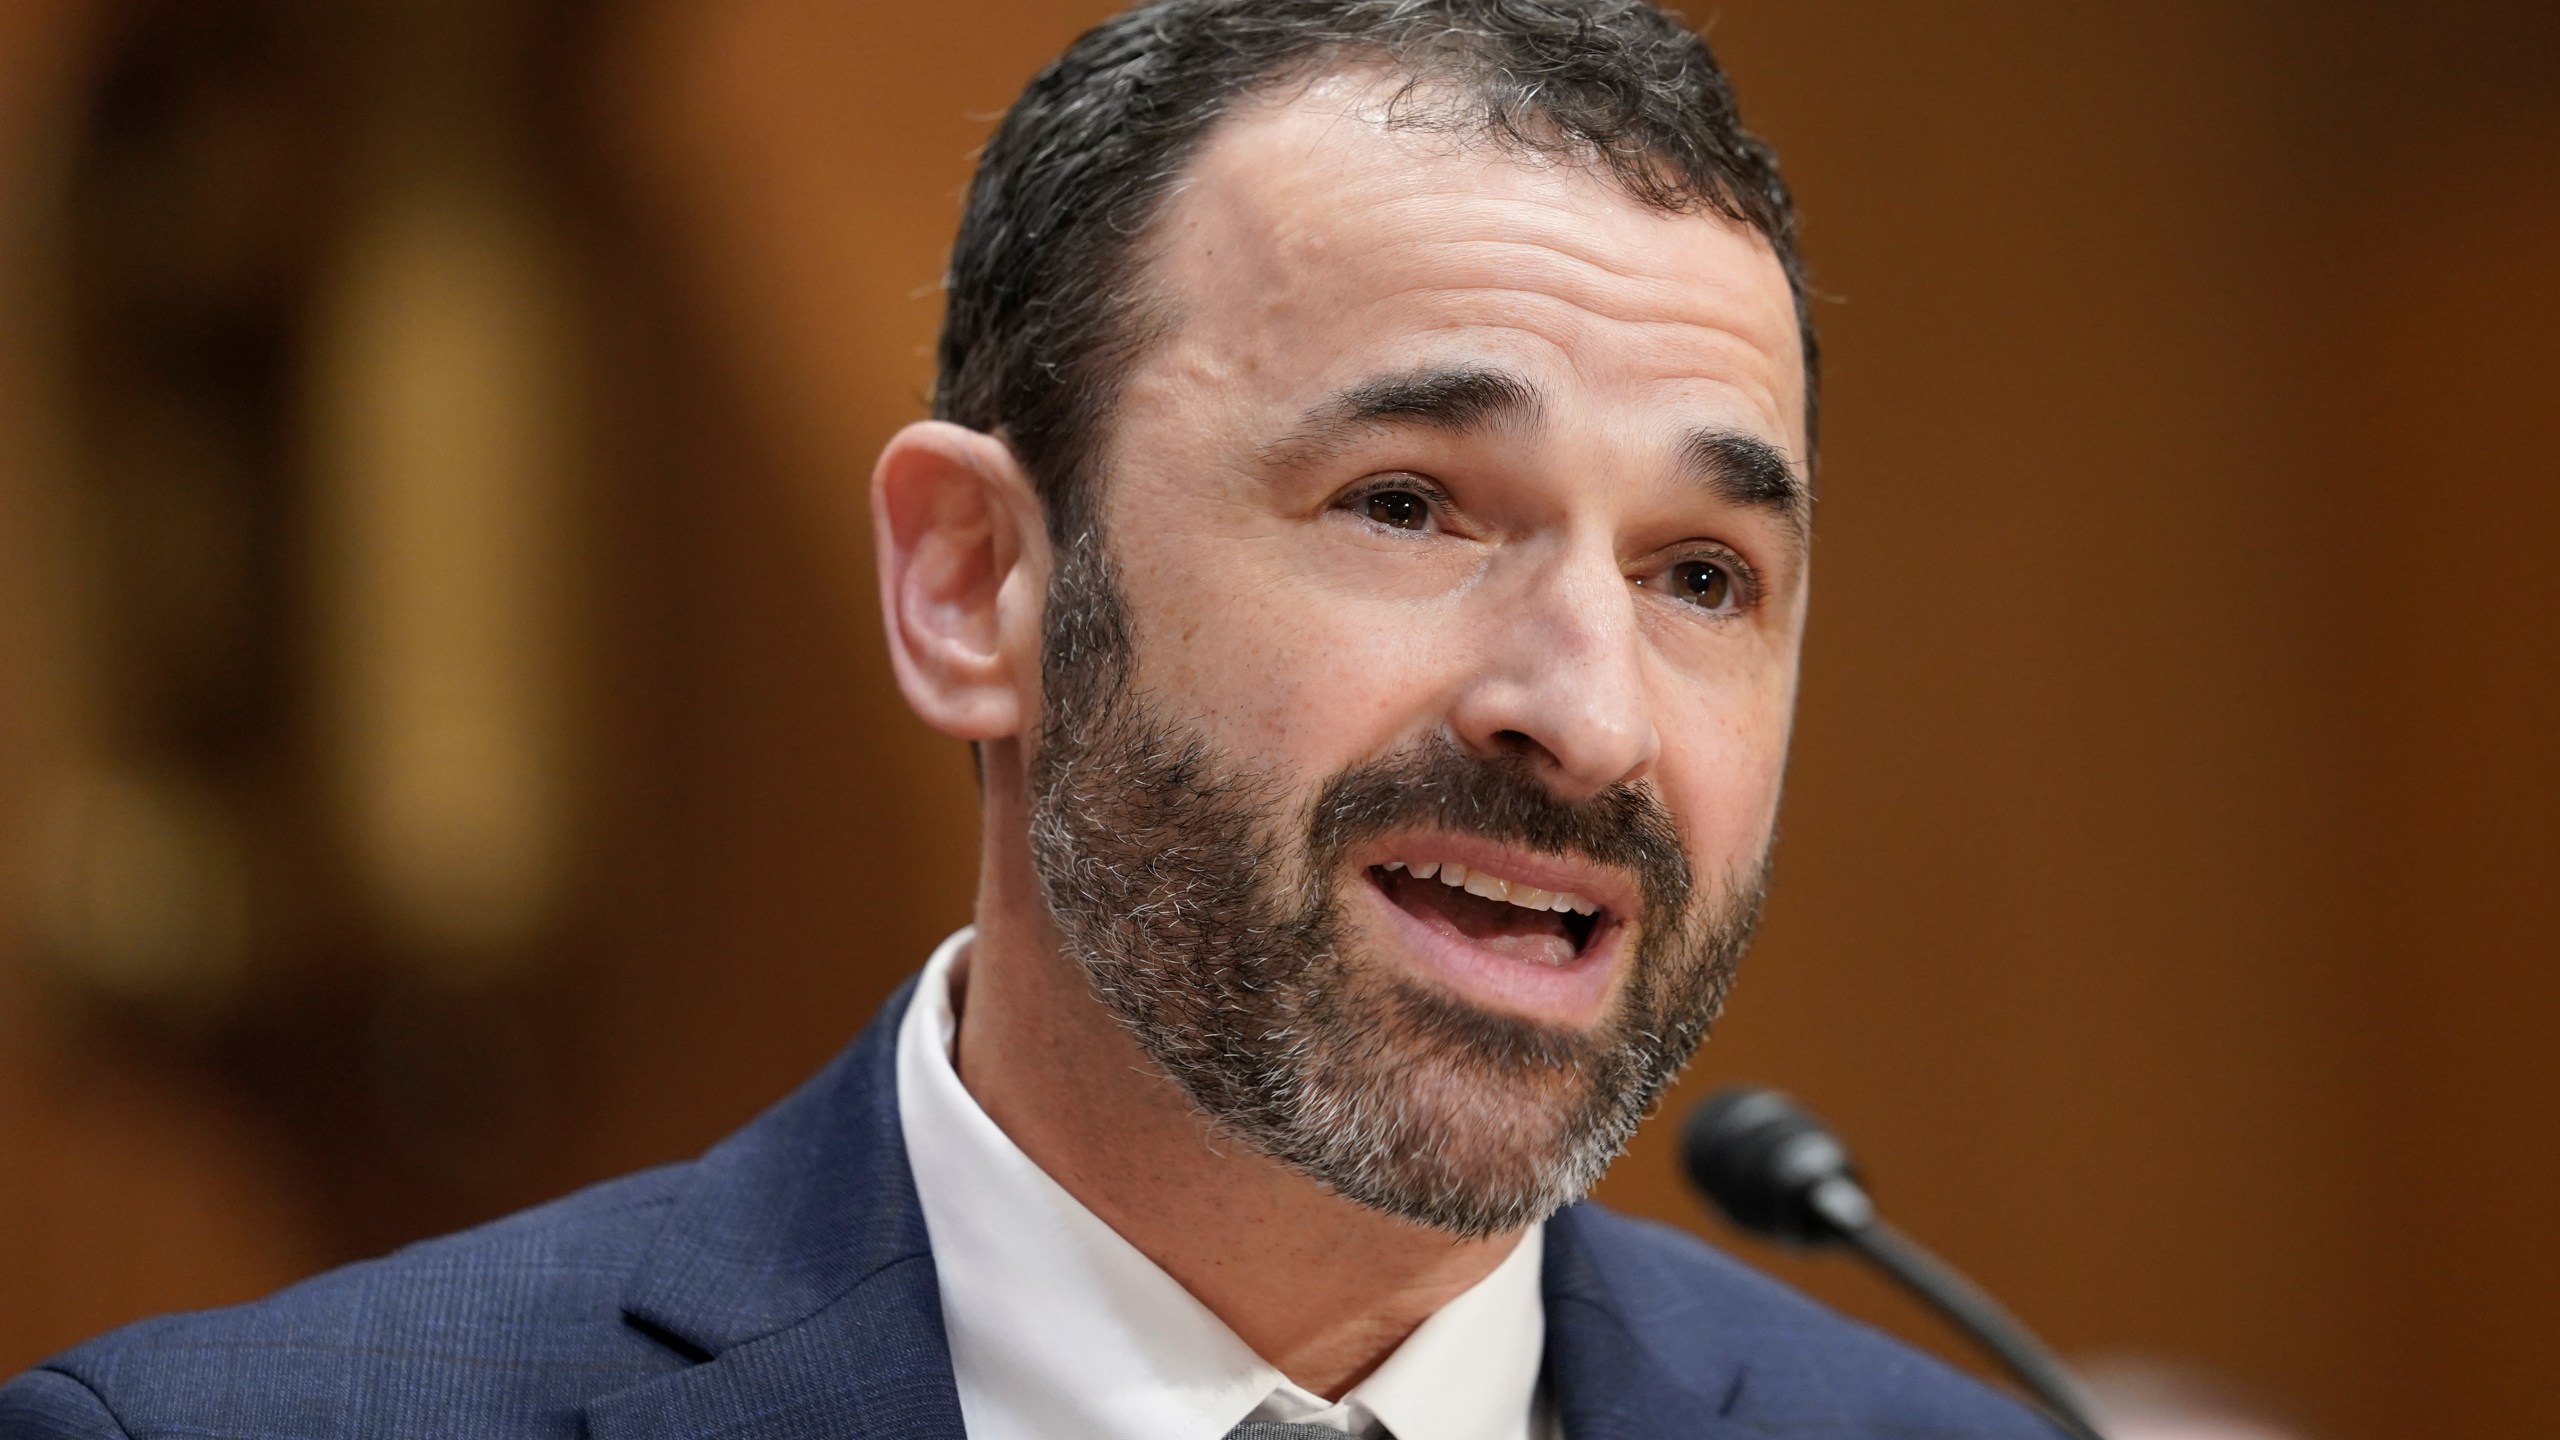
x: 781, y: 1286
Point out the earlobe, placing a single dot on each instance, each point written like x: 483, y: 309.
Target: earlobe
x: 954, y: 521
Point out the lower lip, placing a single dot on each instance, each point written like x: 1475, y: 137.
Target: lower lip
x: 1574, y: 994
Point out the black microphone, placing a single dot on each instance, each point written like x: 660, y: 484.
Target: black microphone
x: 1774, y: 1170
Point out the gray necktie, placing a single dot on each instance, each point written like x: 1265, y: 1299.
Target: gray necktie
x: 1274, y: 1430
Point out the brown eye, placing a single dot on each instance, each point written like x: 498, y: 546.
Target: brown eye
x: 1703, y: 584
x: 1398, y: 509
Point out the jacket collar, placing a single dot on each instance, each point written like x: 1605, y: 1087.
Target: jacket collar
x: 1603, y: 1375
x: 796, y: 1268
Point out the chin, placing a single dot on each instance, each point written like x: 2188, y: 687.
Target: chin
x: 1450, y: 1114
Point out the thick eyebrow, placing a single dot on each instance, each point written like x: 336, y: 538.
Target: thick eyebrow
x: 1745, y: 470
x: 1456, y: 400
x: 1736, y: 467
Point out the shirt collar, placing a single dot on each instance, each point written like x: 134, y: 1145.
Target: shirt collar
x: 1061, y: 1329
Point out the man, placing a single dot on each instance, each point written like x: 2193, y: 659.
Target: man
x: 1364, y: 537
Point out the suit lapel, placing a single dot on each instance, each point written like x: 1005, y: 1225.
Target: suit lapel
x: 795, y: 1271
x: 796, y: 1268
x: 1606, y: 1381
x: 873, y: 1364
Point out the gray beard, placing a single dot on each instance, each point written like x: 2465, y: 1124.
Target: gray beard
x: 1207, y: 910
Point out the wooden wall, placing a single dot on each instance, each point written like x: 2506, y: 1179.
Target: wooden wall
x: 2166, y: 904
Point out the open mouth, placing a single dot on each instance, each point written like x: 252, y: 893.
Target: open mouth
x: 1511, y: 919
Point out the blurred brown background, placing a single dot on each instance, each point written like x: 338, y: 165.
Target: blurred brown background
x: 446, y: 755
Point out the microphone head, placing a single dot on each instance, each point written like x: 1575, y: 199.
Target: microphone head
x: 1761, y: 1158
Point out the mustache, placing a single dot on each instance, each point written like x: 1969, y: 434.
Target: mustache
x: 1436, y: 784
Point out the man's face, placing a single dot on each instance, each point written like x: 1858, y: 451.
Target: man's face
x: 1454, y: 526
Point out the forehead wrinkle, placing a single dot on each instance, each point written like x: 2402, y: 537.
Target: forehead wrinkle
x: 1532, y: 274
x: 1625, y: 293
x: 1632, y: 241
x: 1260, y: 224
x: 1551, y: 224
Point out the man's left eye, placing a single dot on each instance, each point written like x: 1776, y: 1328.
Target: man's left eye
x: 1397, y: 509
x: 1707, y: 584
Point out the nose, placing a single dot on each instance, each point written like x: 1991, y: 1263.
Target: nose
x: 1562, y: 677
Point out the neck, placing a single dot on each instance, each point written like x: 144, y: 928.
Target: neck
x: 1320, y: 1287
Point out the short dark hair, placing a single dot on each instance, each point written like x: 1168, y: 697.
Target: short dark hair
x: 1046, y: 309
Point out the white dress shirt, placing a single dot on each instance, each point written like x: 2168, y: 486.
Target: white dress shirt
x: 1061, y: 1330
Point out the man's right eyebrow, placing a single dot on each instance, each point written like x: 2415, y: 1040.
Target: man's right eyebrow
x: 1455, y: 400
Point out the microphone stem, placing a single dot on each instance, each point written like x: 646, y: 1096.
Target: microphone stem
x: 1977, y: 1315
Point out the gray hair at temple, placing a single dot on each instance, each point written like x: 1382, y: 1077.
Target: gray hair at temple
x: 1048, y: 303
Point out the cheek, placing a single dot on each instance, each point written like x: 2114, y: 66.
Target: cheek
x: 1281, y: 677
x: 1722, y: 776
x: 1241, y: 639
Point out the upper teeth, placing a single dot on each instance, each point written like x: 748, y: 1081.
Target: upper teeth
x: 1494, y: 887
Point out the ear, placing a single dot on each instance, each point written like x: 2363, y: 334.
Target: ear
x: 963, y: 569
